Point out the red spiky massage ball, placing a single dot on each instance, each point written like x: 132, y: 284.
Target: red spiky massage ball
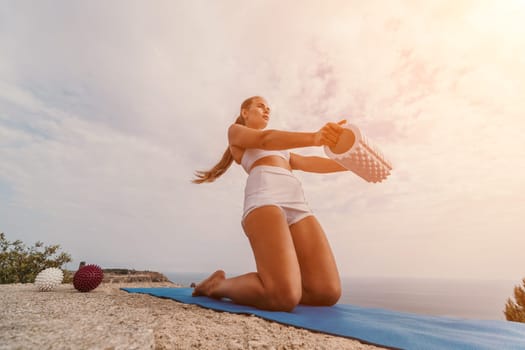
x: 88, y: 278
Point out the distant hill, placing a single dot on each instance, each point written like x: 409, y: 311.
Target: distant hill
x: 128, y: 276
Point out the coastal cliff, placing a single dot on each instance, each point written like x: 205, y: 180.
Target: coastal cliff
x: 130, y: 276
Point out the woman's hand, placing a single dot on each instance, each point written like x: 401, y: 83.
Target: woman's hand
x: 329, y: 134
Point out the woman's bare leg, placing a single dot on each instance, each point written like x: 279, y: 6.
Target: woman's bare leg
x: 320, y: 278
x: 277, y: 283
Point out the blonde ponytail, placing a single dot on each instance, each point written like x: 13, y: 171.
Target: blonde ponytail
x: 219, y: 168
x: 227, y: 158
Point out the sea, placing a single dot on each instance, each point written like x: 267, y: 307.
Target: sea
x: 467, y: 299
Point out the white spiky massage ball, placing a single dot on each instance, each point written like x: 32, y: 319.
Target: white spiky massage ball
x: 49, y: 279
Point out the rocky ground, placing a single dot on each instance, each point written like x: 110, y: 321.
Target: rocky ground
x: 109, y: 318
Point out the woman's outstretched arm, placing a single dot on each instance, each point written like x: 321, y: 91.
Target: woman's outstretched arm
x: 244, y: 137
x: 314, y: 164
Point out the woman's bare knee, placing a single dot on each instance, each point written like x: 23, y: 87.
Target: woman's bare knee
x: 284, y: 299
x: 331, y: 294
x: 323, y: 295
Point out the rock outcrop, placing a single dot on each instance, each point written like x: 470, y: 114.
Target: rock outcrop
x: 130, y: 276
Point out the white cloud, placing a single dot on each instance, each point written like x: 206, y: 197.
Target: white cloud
x: 101, y: 134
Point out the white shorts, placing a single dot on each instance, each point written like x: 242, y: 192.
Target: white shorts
x: 271, y: 185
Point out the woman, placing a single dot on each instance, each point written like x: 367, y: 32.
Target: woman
x: 294, y: 260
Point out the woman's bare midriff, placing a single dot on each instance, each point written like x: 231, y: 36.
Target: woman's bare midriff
x: 272, y: 161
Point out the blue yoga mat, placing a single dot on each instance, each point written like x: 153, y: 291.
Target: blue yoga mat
x: 379, y: 327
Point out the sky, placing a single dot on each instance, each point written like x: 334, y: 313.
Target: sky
x: 108, y: 108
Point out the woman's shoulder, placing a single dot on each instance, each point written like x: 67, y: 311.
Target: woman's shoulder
x: 236, y: 127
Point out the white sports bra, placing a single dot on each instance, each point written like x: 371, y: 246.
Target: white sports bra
x: 253, y: 154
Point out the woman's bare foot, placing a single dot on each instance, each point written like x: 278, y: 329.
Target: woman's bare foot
x: 208, y: 286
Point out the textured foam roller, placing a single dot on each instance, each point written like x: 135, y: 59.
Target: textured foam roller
x: 355, y: 152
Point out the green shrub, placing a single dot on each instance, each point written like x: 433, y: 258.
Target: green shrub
x: 515, y: 310
x: 21, y: 264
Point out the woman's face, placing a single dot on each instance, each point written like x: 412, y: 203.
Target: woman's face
x: 258, y: 114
